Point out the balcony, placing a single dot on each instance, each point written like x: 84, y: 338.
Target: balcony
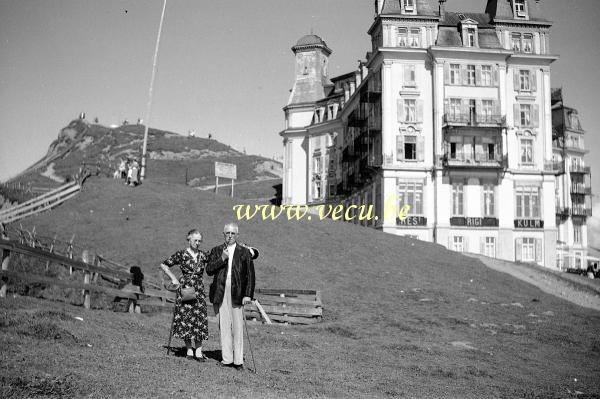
x: 355, y: 119
x: 553, y: 167
x: 580, y: 169
x: 563, y: 211
x: 480, y: 120
x: 371, y: 93
x: 579, y: 210
x: 580, y: 188
x: 479, y: 160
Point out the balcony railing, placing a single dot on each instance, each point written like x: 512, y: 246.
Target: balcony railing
x: 580, y: 188
x: 473, y: 119
x: 479, y: 160
x: 563, y: 211
x: 579, y: 169
x: 581, y: 211
x: 554, y: 167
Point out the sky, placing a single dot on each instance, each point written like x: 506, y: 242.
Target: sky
x: 224, y: 67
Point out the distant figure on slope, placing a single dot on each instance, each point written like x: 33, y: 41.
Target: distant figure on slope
x: 133, y: 174
x: 123, y: 169
x: 232, y: 287
x: 189, y: 320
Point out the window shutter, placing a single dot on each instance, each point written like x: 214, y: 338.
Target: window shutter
x: 446, y: 73
x: 482, y: 245
x: 463, y: 75
x: 478, y: 107
x: 518, y: 249
x: 420, y: 148
x: 400, y: 147
x: 419, y: 110
x: 465, y: 244
x: 517, y: 115
x: 517, y: 83
x: 400, y: 110
x: 446, y: 106
x: 535, y: 116
x: 478, y: 75
x: 495, y: 76
x: 532, y: 81
x: 538, y: 250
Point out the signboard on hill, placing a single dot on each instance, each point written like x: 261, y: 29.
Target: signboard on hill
x: 226, y: 170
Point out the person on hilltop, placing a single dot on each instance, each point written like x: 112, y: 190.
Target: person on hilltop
x: 190, y: 318
x: 232, y: 266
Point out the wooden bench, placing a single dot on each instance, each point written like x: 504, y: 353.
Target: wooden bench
x: 287, y: 306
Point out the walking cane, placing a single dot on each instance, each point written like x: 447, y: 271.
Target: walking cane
x: 248, y: 336
x: 171, y: 331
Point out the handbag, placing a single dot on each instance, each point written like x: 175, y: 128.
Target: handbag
x: 188, y: 294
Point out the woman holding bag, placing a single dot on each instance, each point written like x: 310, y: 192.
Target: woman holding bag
x: 189, y: 319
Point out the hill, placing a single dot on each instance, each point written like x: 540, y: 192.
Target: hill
x: 402, y: 318
x: 171, y: 158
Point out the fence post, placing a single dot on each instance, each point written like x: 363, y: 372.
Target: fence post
x: 5, y: 262
x: 70, y: 253
x: 85, y: 257
x: 51, y: 250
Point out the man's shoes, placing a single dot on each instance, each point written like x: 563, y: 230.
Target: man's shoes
x: 226, y: 364
x: 201, y: 358
x: 238, y: 367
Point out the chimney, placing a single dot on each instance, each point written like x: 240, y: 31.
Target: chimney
x: 442, y: 9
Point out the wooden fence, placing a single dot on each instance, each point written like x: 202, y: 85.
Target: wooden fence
x: 282, y: 306
x: 40, y: 203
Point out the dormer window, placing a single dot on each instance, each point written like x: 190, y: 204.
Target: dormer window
x: 471, y: 37
x: 409, y: 7
x: 520, y: 8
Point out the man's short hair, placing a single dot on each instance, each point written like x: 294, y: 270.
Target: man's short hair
x: 233, y: 227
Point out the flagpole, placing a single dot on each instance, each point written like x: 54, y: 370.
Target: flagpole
x: 149, y: 108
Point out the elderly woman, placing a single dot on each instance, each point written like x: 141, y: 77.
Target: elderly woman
x: 189, y: 320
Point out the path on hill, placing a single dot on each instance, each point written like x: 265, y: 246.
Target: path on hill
x: 237, y: 183
x: 582, y: 293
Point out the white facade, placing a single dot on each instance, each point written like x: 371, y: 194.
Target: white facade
x: 450, y: 114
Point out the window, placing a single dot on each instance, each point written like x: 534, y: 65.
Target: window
x: 402, y: 37
x: 471, y: 75
x: 455, y: 104
x: 411, y: 193
x: 520, y: 8
x: 457, y: 199
x: 489, y: 247
x: 410, y: 147
x: 528, y: 249
x: 577, y: 234
x: 515, y: 41
x: 526, y: 151
x: 318, y: 164
x: 524, y: 80
x: 414, y: 37
x: 528, y: 43
x: 454, y: 74
x: 458, y: 244
x: 409, y: 5
x: 525, y: 114
x: 528, y: 202
x: 487, y: 107
x: 488, y: 200
x: 410, y: 111
x: 471, y: 37
x: 486, y: 75
x: 410, y: 76
x: 318, y: 189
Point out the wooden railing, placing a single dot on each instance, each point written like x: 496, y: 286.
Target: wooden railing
x: 40, y: 203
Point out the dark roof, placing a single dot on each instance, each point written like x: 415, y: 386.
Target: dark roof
x: 310, y: 39
x: 489, y: 39
x: 393, y: 7
x: 454, y: 18
x: 502, y: 9
x: 448, y: 36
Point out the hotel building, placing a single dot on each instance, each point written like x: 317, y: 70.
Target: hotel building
x: 450, y: 113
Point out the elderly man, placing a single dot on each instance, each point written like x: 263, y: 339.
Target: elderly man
x: 232, y: 266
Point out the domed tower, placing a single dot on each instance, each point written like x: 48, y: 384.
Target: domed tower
x: 312, y: 58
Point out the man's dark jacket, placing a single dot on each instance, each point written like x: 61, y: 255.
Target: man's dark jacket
x: 242, y: 275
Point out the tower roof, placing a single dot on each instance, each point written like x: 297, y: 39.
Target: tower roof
x: 309, y: 42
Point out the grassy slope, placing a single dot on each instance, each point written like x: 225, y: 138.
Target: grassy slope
x: 393, y: 307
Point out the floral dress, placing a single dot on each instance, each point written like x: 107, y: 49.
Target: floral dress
x: 190, y: 317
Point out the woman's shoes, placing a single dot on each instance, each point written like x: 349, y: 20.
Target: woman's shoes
x: 200, y: 358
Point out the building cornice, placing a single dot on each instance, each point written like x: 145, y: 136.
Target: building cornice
x: 401, y: 17
x: 523, y: 58
x: 521, y: 23
x: 437, y: 51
